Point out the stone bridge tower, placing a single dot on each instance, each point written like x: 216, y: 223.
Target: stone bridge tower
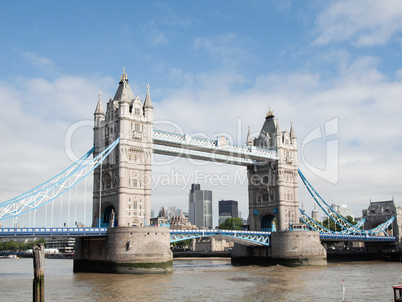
x: 122, y: 192
x: 273, y: 195
x: 126, y: 173
x: 273, y: 189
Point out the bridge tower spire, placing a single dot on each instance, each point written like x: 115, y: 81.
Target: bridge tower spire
x: 249, y: 141
x: 99, y: 119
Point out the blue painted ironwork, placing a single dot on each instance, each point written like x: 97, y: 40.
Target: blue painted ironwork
x: 255, y: 238
x: 360, y: 223
x: 346, y: 227
x: 244, y: 237
x: 52, y: 232
x: 351, y: 237
x: 55, y: 186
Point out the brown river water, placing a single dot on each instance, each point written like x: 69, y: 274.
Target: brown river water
x: 206, y: 280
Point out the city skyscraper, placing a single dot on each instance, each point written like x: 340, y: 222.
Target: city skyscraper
x: 227, y: 209
x: 200, y: 207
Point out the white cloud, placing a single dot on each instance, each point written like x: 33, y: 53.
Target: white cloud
x: 160, y: 28
x: 360, y: 22
x: 156, y: 37
x: 44, y: 64
x: 229, y: 48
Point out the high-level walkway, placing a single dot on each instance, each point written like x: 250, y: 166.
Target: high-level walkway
x: 219, y: 150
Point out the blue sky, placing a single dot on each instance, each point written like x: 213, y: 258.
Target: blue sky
x: 214, y: 67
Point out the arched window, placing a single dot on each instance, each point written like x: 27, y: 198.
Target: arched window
x: 107, y: 216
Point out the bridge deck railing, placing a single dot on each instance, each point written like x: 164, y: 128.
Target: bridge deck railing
x: 243, y: 237
x: 52, y: 232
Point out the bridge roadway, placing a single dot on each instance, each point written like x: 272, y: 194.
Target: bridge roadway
x: 251, y: 238
x: 51, y: 232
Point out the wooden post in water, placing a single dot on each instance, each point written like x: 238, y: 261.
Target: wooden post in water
x: 39, y: 272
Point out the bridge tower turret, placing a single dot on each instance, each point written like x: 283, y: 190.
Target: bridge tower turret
x: 273, y: 189
x: 99, y: 119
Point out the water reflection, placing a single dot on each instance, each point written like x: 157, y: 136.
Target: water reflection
x: 205, y: 280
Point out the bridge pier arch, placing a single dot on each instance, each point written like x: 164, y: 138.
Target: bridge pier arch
x: 268, y: 223
x: 108, y: 217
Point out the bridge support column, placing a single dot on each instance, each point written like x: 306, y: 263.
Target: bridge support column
x: 125, y: 250
x: 292, y: 248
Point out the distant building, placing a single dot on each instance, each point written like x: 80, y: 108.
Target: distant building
x: 342, y: 209
x: 169, y: 212
x: 227, y: 209
x: 181, y: 218
x: 200, y: 207
x: 65, y: 245
x: 379, y: 212
x: 242, y: 219
x: 187, y: 226
x: 211, y: 245
x: 315, y: 214
x: 159, y: 221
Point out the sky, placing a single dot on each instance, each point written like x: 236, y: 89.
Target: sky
x: 333, y: 68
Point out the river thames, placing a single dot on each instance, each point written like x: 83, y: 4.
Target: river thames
x: 205, y: 280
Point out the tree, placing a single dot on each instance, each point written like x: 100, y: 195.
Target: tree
x: 14, y: 246
x: 350, y: 220
x: 333, y: 226
x: 231, y: 223
x: 182, y: 243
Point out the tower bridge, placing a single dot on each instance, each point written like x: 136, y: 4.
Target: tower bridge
x: 123, y: 241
